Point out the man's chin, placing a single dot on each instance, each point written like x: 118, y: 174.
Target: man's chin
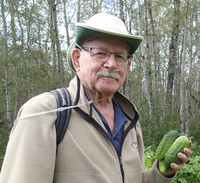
x: 107, y: 89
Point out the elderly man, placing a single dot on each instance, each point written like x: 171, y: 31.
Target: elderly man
x: 103, y: 142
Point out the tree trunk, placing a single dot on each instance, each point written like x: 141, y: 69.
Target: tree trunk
x: 79, y: 11
x: 196, y: 9
x: 121, y: 9
x: 53, y: 43
x: 55, y: 40
x: 12, y: 4
x: 172, y: 57
x: 182, y: 77
x: 66, y: 24
x: 29, y: 46
x: 144, y: 69
x: 156, y: 60
x: 67, y: 34
x: 7, y: 74
x: 187, y: 108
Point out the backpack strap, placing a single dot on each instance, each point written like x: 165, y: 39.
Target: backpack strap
x: 63, y: 99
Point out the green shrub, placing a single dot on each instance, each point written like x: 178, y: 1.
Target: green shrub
x: 149, y: 156
x: 190, y: 172
x: 4, y: 134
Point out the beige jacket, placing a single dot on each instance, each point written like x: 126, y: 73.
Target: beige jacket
x: 85, y: 153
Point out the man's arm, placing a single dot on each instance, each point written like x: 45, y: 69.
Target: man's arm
x: 31, y: 150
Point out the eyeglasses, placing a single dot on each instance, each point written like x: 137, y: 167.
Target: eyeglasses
x: 102, y: 55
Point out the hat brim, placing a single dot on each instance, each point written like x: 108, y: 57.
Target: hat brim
x: 85, y: 32
x: 69, y: 58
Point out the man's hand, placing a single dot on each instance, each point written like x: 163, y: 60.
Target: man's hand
x: 184, y: 159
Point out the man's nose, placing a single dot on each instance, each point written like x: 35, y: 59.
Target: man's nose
x: 111, y: 62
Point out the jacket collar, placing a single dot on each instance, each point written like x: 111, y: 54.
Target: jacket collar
x: 78, y: 96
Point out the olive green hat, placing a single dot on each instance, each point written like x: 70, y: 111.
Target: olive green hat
x: 102, y: 25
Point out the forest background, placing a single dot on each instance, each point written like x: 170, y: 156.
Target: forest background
x: 164, y: 80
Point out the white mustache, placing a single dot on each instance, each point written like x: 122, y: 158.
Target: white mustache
x: 106, y: 73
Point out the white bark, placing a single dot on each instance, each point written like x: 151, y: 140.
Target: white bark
x: 182, y: 76
x: 144, y: 66
x: 7, y: 75
x: 187, y: 107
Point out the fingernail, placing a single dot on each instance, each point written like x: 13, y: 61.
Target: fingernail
x: 179, y: 155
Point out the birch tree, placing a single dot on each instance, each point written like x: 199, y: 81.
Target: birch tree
x: 66, y: 23
x: 55, y: 39
x: 172, y: 64
x: 182, y: 75
x: 7, y: 73
x: 13, y: 9
x: 144, y: 67
x: 155, y: 57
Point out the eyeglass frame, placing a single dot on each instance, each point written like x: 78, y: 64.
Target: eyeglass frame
x: 88, y: 50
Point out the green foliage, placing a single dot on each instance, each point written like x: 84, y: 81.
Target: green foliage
x: 159, y: 127
x: 149, y: 156
x: 190, y: 172
x: 4, y: 134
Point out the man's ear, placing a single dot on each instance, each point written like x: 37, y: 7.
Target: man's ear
x: 128, y: 66
x: 75, y: 55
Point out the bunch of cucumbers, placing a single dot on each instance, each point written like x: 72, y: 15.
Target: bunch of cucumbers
x: 167, y: 150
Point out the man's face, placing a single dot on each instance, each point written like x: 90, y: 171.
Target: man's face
x: 101, y: 78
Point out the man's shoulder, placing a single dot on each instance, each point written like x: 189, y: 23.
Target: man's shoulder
x: 43, y: 101
x: 42, y: 98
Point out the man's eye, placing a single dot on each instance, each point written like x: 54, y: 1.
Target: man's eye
x: 101, y: 53
x: 120, y: 57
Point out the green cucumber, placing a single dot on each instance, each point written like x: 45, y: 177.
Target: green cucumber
x: 178, y: 146
x: 163, y: 167
x: 165, y: 144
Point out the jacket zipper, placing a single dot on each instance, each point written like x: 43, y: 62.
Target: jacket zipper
x: 103, y: 132
x: 121, y: 168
